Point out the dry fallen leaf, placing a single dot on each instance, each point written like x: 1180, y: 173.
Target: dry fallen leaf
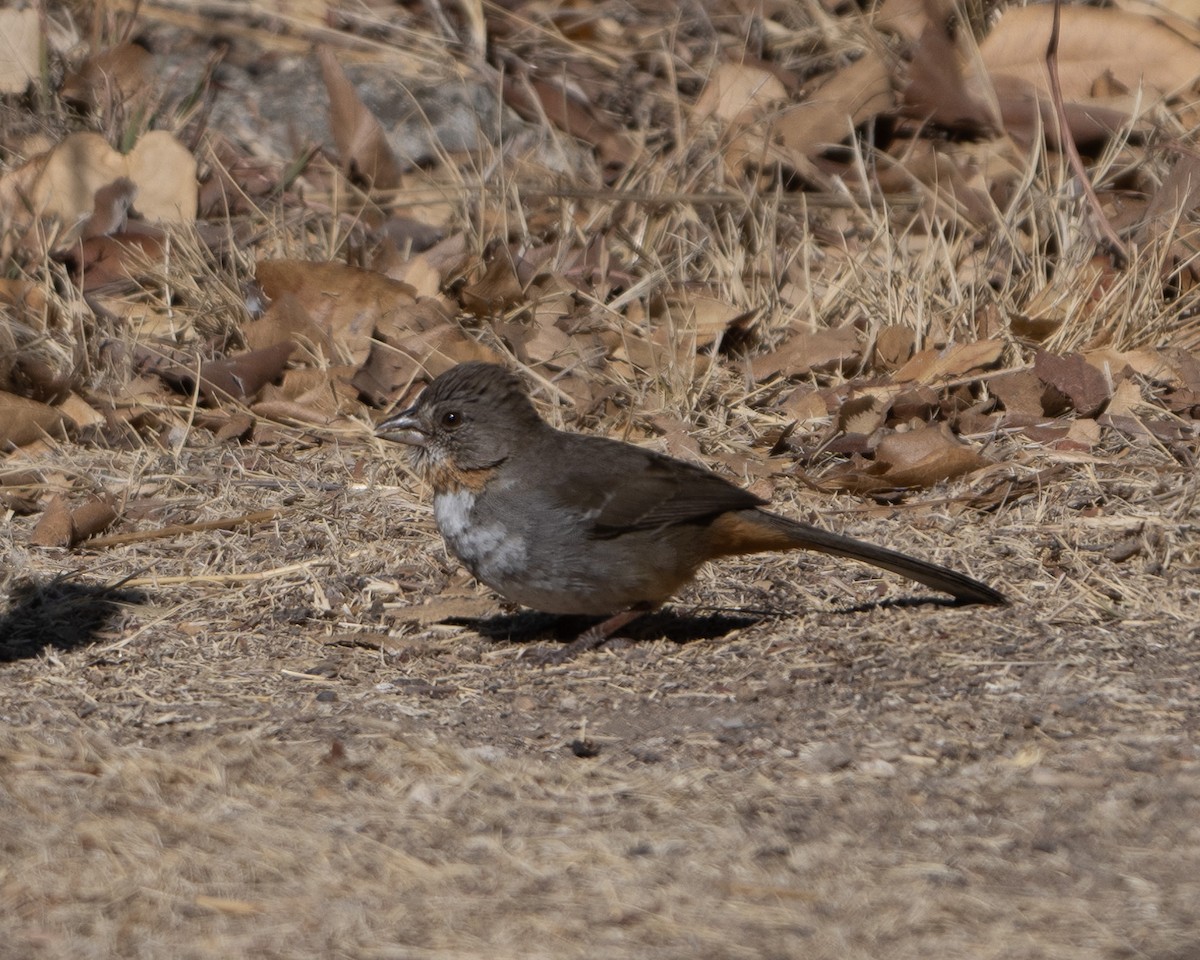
x: 571, y: 113
x: 923, y: 457
x: 497, y: 290
x: 805, y: 352
x: 161, y: 169
x: 439, y: 609
x: 95, y: 515
x: 1133, y: 50
x: 99, y: 262
x: 23, y: 421
x: 241, y: 377
x: 286, y: 319
x: 1020, y: 392
x: 909, y: 18
x: 60, y: 526
x: 348, y: 302
x: 894, y: 346
x: 20, y: 48
x: 1072, y: 376
x: 959, y: 360
x: 739, y: 93
x: 54, y: 529
x: 938, y: 87
x: 849, y: 97
x: 361, y: 142
x: 693, y: 321
x: 903, y: 460
x: 105, y: 79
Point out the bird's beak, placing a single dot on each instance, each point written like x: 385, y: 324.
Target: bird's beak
x: 403, y: 427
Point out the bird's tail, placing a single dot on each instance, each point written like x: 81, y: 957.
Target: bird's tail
x: 750, y: 531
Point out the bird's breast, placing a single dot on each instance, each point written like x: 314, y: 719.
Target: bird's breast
x: 488, y: 548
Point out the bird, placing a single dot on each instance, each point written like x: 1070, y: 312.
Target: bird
x: 571, y: 523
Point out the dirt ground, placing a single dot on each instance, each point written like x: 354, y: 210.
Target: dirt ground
x: 235, y: 744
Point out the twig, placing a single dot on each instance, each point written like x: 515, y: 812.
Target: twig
x: 179, y: 529
x: 250, y: 577
x: 1068, y: 143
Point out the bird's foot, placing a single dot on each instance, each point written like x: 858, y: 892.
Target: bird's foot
x: 590, y: 639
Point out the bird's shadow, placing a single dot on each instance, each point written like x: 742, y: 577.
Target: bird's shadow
x: 62, y: 614
x: 678, y: 626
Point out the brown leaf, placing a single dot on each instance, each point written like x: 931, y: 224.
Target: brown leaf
x: 1135, y: 50
x: 445, y: 607
x: 804, y: 403
x: 123, y: 72
x: 289, y: 411
x: 80, y: 412
x: 938, y: 88
x: 243, y: 376
x: 22, y: 46
x: 893, y: 346
x: 54, y: 529
x: 159, y: 166
x: 349, y: 302
x: 1176, y: 198
x: 326, y: 390
x: 1126, y: 400
x: 930, y: 366
x: 1020, y: 392
x: 24, y: 421
x: 418, y: 272
x: 92, y: 517
x: 952, y: 181
x: 917, y: 403
x: 236, y: 427
x: 359, y: 136
x: 535, y: 99
x: 1097, y: 49
x: 62, y: 527
x: 862, y: 415
x: 395, y: 362
x: 849, y: 97
x: 909, y: 18
x: 694, y: 321
x: 547, y: 345
x: 805, y: 352
x: 923, y: 457
x: 286, y: 319
x: 37, y: 379
x: 1083, y: 435
x: 1074, y: 378
x: 497, y: 290
x: 738, y: 93
x: 100, y: 261
x: 110, y: 210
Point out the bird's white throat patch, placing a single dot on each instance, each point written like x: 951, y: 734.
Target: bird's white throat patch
x: 489, y: 551
x: 453, y: 513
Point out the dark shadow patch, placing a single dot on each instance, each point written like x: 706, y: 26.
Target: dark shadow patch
x: 528, y: 626
x: 62, y: 614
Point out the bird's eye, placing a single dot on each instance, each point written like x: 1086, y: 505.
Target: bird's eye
x: 452, y: 419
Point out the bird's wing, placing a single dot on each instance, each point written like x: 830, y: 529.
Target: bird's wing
x: 624, y: 488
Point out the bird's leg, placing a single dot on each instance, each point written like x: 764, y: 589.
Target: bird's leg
x: 595, y: 635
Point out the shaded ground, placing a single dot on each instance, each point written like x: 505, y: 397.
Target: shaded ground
x: 244, y: 750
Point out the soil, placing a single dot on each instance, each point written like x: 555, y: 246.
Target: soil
x: 250, y: 742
